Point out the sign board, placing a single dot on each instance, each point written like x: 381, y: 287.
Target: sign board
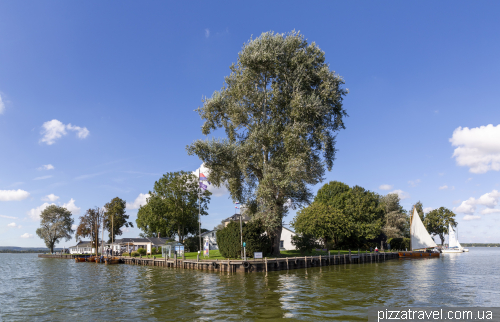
x: 244, y: 244
x: 257, y: 255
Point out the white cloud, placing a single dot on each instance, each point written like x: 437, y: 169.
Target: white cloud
x: 471, y: 217
x: 26, y: 235
x: 2, y: 105
x: 207, y: 33
x: 53, y: 130
x: 9, y: 217
x: 43, y: 177
x: 477, y: 148
x: 217, y: 192
x: 385, y: 187
x: 51, y: 197
x: 402, y: 195
x: 10, y: 195
x: 141, y: 200
x: 70, y: 205
x: 12, y: 224
x: 489, y: 200
x: 74, y: 227
x: 428, y: 209
x: 489, y: 211
x: 443, y: 187
x: 46, y: 167
x: 82, y: 133
x: 414, y: 183
x: 34, y: 213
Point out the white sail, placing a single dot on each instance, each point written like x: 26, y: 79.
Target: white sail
x: 420, y: 238
x: 452, y: 238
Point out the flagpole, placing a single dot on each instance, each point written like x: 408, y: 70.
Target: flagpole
x: 199, y: 207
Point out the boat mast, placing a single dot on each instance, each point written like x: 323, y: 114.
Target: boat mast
x: 411, y: 221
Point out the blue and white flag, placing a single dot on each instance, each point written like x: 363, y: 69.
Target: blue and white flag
x: 202, y: 186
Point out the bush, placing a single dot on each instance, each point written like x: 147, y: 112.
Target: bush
x: 154, y: 251
x: 399, y: 243
x: 229, y: 239
x: 192, y: 244
x: 305, y: 243
x: 142, y: 251
x: 135, y: 254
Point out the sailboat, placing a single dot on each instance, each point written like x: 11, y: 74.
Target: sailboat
x: 420, y: 240
x: 453, y: 244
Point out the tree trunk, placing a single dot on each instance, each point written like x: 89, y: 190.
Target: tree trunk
x: 276, y: 241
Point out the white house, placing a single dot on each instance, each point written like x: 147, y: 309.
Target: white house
x: 83, y: 247
x: 212, y: 239
x: 133, y: 244
x: 286, y: 239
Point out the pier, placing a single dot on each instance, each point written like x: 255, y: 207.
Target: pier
x: 251, y: 265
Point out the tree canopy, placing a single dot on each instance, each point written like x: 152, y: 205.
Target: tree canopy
x: 115, y: 217
x: 342, y: 215
x: 437, y: 221
x: 280, y: 108
x: 55, y: 224
x: 394, y: 216
x: 172, y: 207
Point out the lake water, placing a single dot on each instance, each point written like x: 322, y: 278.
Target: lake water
x: 43, y: 289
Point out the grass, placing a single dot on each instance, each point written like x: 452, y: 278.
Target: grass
x: 215, y: 254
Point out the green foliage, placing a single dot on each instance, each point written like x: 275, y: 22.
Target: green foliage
x: 437, y: 221
x: 394, y: 216
x: 115, y: 217
x: 55, y: 224
x: 304, y: 243
x: 255, y: 239
x: 346, y: 217
x: 90, y: 225
x: 399, y: 243
x: 135, y: 254
x: 172, y: 208
x: 154, y: 251
x: 142, y: 251
x: 229, y: 239
x: 192, y: 243
x: 280, y: 108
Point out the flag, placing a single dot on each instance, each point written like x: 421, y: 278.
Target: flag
x: 203, y: 178
x: 237, y: 203
x: 236, y: 207
x: 202, y: 186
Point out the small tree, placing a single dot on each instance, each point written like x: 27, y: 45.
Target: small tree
x: 437, y: 222
x: 55, y: 225
x: 304, y: 243
x: 229, y: 240
x: 90, y: 225
x: 394, y: 216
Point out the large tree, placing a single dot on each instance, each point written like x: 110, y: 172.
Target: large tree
x: 394, y: 216
x: 437, y: 222
x: 173, y: 205
x: 115, y: 217
x: 280, y: 108
x: 90, y: 226
x: 55, y: 225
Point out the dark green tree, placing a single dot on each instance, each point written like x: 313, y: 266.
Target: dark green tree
x: 394, y: 216
x: 173, y: 206
x: 55, y: 224
x: 280, y: 108
x: 115, y: 217
x: 437, y: 222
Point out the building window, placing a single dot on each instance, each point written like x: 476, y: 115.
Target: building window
x: 281, y: 243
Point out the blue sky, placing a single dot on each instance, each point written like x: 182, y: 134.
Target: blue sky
x: 98, y: 100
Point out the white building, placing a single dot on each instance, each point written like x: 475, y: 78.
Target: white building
x: 83, y: 247
x: 286, y: 239
x: 212, y: 239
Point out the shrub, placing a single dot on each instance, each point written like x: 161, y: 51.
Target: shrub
x: 142, y: 251
x: 135, y: 254
x: 229, y: 239
x: 154, y: 251
x: 192, y: 244
x: 399, y: 243
x: 304, y: 243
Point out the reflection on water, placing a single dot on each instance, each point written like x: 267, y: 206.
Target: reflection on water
x: 57, y: 289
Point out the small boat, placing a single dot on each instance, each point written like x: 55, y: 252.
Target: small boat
x: 99, y: 259
x: 113, y: 260
x: 79, y: 259
x: 91, y: 259
x: 454, y: 246
x: 421, y: 243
